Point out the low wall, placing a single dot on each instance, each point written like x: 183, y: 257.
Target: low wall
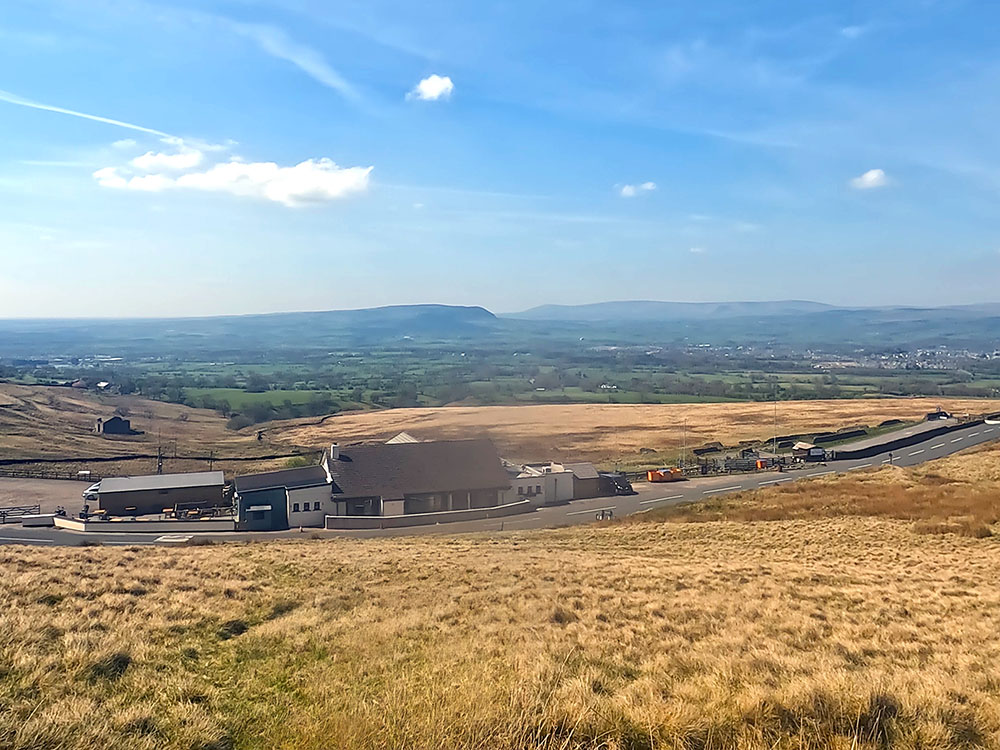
x: 845, y: 452
x: 424, y: 519
x: 151, y: 527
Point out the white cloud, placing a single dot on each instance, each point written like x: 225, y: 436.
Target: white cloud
x: 853, y: 32
x: 630, y: 191
x: 432, y: 88
x: 276, y: 43
x: 125, y: 143
x: 873, y: 178
x: 310, y: 181
x: 184, y: 158
x: 697, y: 250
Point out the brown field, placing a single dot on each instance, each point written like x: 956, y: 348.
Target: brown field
x: 843, y: 625
x: 610, y: 433
x: 46, y: 423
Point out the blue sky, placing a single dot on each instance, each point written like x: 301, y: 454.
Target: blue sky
x: 201, y: 158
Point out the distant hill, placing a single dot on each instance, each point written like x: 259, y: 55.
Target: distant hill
x: 645, y: 310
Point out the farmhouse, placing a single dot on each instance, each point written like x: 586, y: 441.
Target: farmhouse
x: 552, y: 482
x: 280, y: 499
x: 401, y: 478
x: 136, y: 496
x: 113, y: 426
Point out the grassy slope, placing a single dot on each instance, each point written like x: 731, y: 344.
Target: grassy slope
x: 608, y: 433
x: 822, y: 629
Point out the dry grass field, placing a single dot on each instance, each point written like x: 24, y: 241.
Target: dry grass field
x: 609, y: 433
x: 44, y: 422
x: 842, y: 624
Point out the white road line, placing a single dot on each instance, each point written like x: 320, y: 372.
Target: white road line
x: 958, y: 439
x: 591, y: 510
x: 821, y: 473
x: 522, y: 520
x: 917, y: 453
x: 974, y: 434
x: 660, y: 499
x: 935, y: 447
x: 989, y: 429
x: 723, y: 489
x: 25, y: 539
x: 775, y: 481
x: 862, y: 466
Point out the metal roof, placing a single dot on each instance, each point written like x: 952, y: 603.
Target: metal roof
x: 583, y: 470
x: 304, y: 476
x: 162, y: 482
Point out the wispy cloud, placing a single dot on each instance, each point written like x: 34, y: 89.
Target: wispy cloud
x: 432, y: 88
x: 6, y: 96
x: 630, y: 191
x: 277, y: 43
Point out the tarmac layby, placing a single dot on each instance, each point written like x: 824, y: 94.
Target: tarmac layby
x: 575, y: 512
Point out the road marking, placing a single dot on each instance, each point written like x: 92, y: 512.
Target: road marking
x: 177, y: 538
x: 821, y: 473
x: 974, y: 434
x: 660, y: 500
x: 591, y: 510
x: 776, y: 481
x: 522, y: 520
x: 917, y: 453
x: 25, y: 539
x: 989, y: 429
x: 935, y: 447
x: 723, y: 489
x: 862, y: 466
x: 958, y: 439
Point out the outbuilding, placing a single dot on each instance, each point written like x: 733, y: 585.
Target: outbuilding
x: 303, y: 494
x: 156, y: 493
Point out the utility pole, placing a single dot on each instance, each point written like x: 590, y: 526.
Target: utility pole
x: 211, y: 459
x: 774, y: 440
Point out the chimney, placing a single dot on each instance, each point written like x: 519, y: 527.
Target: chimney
x: 335, y: 451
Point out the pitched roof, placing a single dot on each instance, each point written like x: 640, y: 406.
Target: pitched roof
x: 394, y: 470
x: 583, y: 470
x: 305, y: 476
x: 403, y: 437
x: 162, y: 482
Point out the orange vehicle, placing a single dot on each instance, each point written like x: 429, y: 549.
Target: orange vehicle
x: 665, y: 475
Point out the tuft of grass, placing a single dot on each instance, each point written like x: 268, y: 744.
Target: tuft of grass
x: 111, y: 668
x: 232, y: 628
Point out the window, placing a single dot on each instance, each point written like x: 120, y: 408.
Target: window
x: 538, y: 489
x: 520, y: 490
x: 316, y: 505
x: 295, y: 507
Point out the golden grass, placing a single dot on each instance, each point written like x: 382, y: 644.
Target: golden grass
x: 840, y: 631
x: 43, y: 422
x: 609, y: 433
x: 960, y: 493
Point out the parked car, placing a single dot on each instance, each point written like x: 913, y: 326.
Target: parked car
x: 90, y: 494
x: 616, y: 484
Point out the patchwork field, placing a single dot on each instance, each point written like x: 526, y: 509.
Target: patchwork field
x: 848, y: 623
x: 613, y: 433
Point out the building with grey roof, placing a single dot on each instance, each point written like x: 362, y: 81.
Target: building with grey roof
x: 156, y: 493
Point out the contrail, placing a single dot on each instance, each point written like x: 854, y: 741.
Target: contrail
x: 6, y: 96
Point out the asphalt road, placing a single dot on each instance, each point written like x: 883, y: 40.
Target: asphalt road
x: 649, y: 496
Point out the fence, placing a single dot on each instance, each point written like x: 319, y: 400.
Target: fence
x: 15, y: 512
x: 53, y: 474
